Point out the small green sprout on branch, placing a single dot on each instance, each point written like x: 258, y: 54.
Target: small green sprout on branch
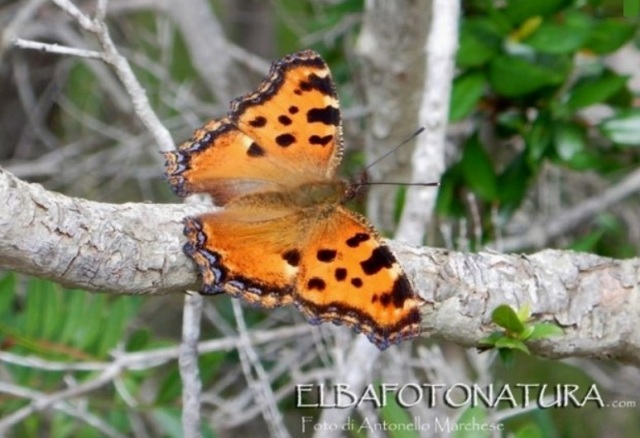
x: 517, y: 330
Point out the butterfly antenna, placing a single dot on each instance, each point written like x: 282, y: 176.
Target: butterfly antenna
x: 431, y: 184
x: 362, y: 180
x: 405, y: 141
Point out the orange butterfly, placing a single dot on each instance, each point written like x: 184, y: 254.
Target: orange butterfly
x: 284, y: 236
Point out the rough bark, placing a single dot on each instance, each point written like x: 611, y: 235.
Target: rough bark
x: 136, y: 248
x: 123, y: 249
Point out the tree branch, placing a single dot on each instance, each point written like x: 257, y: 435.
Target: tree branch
x: 136, y: 248
x: 393, y: 72
x: 124, y: 249
x: 428, y: 157
x: 595, y: 299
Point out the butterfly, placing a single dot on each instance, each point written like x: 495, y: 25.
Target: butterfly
x: 284, y: 235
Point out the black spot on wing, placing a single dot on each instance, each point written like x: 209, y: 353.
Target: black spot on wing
x: 341, y: 274
x: 255, y: 150
x: 357, y: 282
x: 292, y: 257
x: 385, y: 299
x: 285, y: 140
x: 355, y: 240
x: 328, y: 115
x: 322, y: 141
x: 293, y: 109
x: 284, y: 120
x: 401, y: 291
x: 323, y: 84
x: 380, y: 258
x: 316, y: 283
x: 326, y: 255
x: 258, y: 122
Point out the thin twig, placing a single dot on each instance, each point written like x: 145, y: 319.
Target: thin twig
x: 428, y: 157
x: 45, y: 402
x: 539, y: 234
x: 124, y: 72
x: 189, y: 372
x: 55, y: 48
x: 76, y: 412
x: 261, y: 386
x: 83, y: 20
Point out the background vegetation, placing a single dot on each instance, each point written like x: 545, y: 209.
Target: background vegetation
x: 544, y: 120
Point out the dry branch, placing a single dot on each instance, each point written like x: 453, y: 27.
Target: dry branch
x: 136, y: 248
x: 132, y: 248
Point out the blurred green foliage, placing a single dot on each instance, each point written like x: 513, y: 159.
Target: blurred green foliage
x: 528, y: 69
x: 43, y: 320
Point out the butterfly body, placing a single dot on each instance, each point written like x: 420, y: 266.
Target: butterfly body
x: 284, y: 235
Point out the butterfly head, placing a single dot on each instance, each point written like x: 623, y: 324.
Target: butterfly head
x: 354, y: 187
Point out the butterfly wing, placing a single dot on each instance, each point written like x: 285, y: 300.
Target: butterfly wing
x: 349, y: 276
x: 284, y: 134
x: 248, y: 251
x: 295, y: 114
x: 222, y: 161
x: 335, y: 270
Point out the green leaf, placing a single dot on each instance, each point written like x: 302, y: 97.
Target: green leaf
x: 610, y: 34
x: 510, y: 122
x: 524, y: 312
x: 398, y: 204
x: 480, y: 40
x: 170, y: 387
x: 569, y: 140
x: 42, y: 313
x: 168, y: 420
x: 478, y: 170
x: 138, y: 340
x: 521, y: 10
x: 76, y: 300
x: 564, y: 38
x: 538, y: 138
x: 595, y: 90
x: 92, y: 327
x: 513, y: 183
x: 467, y: 91
x: 512, y: 344
x: 514, y: 76
x: 528, y: 330
x: 623, y: 128
x: 545, y: 330
x: 529, y: 430
x: 584, y: 160
x: 492, y: 338
x: 588, y: 242
x: 7, y: 294
x: 447, y: 204
x: 209, y: 365
x: 114, y: 323
x: 506, y: 317
x: 507, y: 357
